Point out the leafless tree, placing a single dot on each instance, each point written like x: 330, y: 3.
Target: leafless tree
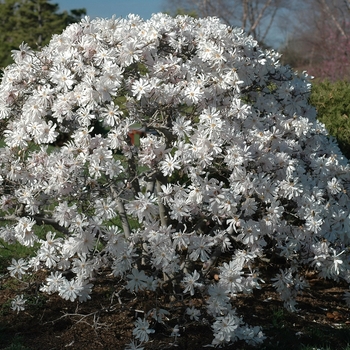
x: 256, y: 17
x: 321, y: 40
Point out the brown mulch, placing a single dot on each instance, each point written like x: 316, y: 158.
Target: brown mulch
x: 106, y: 322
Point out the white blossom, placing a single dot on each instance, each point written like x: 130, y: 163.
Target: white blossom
x: 17, y: 304
x: 18, y: 268
x: 142, y: 330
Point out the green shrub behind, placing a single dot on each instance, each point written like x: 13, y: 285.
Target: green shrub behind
x: 332, y: 101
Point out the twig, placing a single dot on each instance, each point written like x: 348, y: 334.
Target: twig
x: 123, y: 218
x: 161, y: 206
x: 42, y: 220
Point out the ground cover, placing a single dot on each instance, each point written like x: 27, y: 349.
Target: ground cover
x: 107, y: 320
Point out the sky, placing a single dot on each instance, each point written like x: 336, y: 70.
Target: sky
x: 121, y: 8
x: 106, y: 8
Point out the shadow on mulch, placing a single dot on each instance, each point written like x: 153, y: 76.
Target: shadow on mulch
x: 50, y: 323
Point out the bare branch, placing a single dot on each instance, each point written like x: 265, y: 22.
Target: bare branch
x: 162, y: 209
x: 40, y: 220
x: 123, y: 218
x: 334, y: 20
x: 9, y: 218
x: 121, y: 211
x: 47, y: 221
x: 347, y: 4
x: 245, y: 13
x: 268, y: 27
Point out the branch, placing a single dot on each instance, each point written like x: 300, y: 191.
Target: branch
x: 133, y: 172
x: 347, y: 4
x: 245, y: 14
x: 161, y: 206
x: 123, y: 218
x: 9, y: 218
x: 331, y: 15
x: 212, y: 260
x: 39, y: 221
x: 47, y: 221
x: 122, y: 212
x: 260, y: 15
x: 268, y: 27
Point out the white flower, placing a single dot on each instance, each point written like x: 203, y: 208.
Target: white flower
x: 83, y: 242
x: 231, y: 275
x: 182, y: 127
x: 193, y: 93
x: 111, y: 114
x: 64, y: 213
x: 190, y: 282
x: 140, y: 88
x: 70, y: 290
x: 175, y: 331
x: 17, y: 304
x: 334, y: 186
x: 48, y: 256
x: 105, y: 209
x: 63, y: 77
x: 142, y: 330
x: 22, y: 54
x: 19, y: 267
x: 200, y: 247
x: 25, y: 232
x: 143, y: 207
x: 160, y: 315
x: 169, y: 164
x: 137, y: 280
x: 225, y: 329
x: 134, y: 346
x: 193, y: 313
x: 86, y: 290
x: 336, y: 262
x: 53, y: 282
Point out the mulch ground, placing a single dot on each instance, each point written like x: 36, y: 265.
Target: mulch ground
x: 106, y: 321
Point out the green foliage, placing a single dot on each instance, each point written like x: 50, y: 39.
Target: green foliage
x: 17, y: 250
x: 332, y: 101
x: 278, y: 318
x: 31, y: 21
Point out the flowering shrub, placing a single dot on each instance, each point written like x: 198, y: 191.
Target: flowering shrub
x: 236, y: 168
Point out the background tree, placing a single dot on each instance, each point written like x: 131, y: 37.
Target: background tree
x: 312, y: 34
x: 320, y: 41
x: 256, y: 17
x: 31, y: 21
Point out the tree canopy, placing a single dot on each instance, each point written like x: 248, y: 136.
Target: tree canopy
x: 31, y: 21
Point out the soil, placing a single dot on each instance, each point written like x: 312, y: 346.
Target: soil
x: 107, y: 320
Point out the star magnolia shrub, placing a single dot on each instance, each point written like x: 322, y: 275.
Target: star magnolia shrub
x: 233, y: 168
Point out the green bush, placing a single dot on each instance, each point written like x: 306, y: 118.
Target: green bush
x: 332, y: 101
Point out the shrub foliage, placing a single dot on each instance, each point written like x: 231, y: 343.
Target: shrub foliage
x: 233, y: 169
x: 332, y: 101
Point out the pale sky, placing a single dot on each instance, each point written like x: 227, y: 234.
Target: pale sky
x: 121, y: 8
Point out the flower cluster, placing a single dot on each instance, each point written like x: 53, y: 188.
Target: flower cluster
x: 233, y: 163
